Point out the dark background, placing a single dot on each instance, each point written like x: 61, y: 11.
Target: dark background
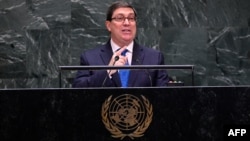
x: 179, y: 114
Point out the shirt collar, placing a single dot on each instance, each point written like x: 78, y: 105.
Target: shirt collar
x: 115, y: 47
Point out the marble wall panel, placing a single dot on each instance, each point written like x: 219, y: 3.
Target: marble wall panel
x: 186, y: 46
x: 46, y: 50
x: 181, y: 13
x: 224, y: 13
x: 228, y: 50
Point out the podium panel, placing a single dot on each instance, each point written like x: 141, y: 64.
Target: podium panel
x: 106, y: 114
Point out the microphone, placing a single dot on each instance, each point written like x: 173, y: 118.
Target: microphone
x: 146, y: 71
x: 105, y: 79
x: 116, y: 59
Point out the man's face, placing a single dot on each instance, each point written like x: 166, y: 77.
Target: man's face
x: 122, y: 31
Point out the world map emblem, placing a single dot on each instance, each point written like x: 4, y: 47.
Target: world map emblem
x: 127, y: 115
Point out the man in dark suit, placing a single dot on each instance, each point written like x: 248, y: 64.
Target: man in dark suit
x: 121, y: 23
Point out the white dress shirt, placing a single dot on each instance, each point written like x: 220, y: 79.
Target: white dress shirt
x: 115, y: 47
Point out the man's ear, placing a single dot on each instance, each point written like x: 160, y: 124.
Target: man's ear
x: 107, y: 23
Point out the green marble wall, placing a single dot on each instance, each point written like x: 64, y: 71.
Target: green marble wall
x: 37, y: 36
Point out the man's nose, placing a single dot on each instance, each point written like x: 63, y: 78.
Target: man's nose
x: 126, y: 21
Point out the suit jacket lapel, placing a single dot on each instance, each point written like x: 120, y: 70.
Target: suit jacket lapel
x: 106, y: 54
x: 137, y: 59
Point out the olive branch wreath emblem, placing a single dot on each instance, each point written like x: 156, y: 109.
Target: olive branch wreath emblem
x: 138, y: 132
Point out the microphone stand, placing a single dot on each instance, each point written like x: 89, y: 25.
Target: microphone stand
x: 105, y: 79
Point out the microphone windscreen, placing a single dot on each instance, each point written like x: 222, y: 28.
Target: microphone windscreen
x: 116, y: 58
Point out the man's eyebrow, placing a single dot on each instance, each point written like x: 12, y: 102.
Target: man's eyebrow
x: 131, y: 14
x: 122, y: 14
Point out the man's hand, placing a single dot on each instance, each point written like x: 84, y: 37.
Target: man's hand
x: 120, y: 62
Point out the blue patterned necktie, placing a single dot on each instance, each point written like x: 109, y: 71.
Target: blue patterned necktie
x: 123, y: 72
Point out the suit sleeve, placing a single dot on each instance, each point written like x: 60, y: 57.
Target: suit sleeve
x: 162, y: 75
x: 91, y: 78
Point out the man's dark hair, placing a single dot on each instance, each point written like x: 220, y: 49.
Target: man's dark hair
x: 116, y: 5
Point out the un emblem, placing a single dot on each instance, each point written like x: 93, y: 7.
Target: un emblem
x: 127, y: 115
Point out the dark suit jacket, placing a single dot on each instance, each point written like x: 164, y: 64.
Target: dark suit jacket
x: 137, y: 78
